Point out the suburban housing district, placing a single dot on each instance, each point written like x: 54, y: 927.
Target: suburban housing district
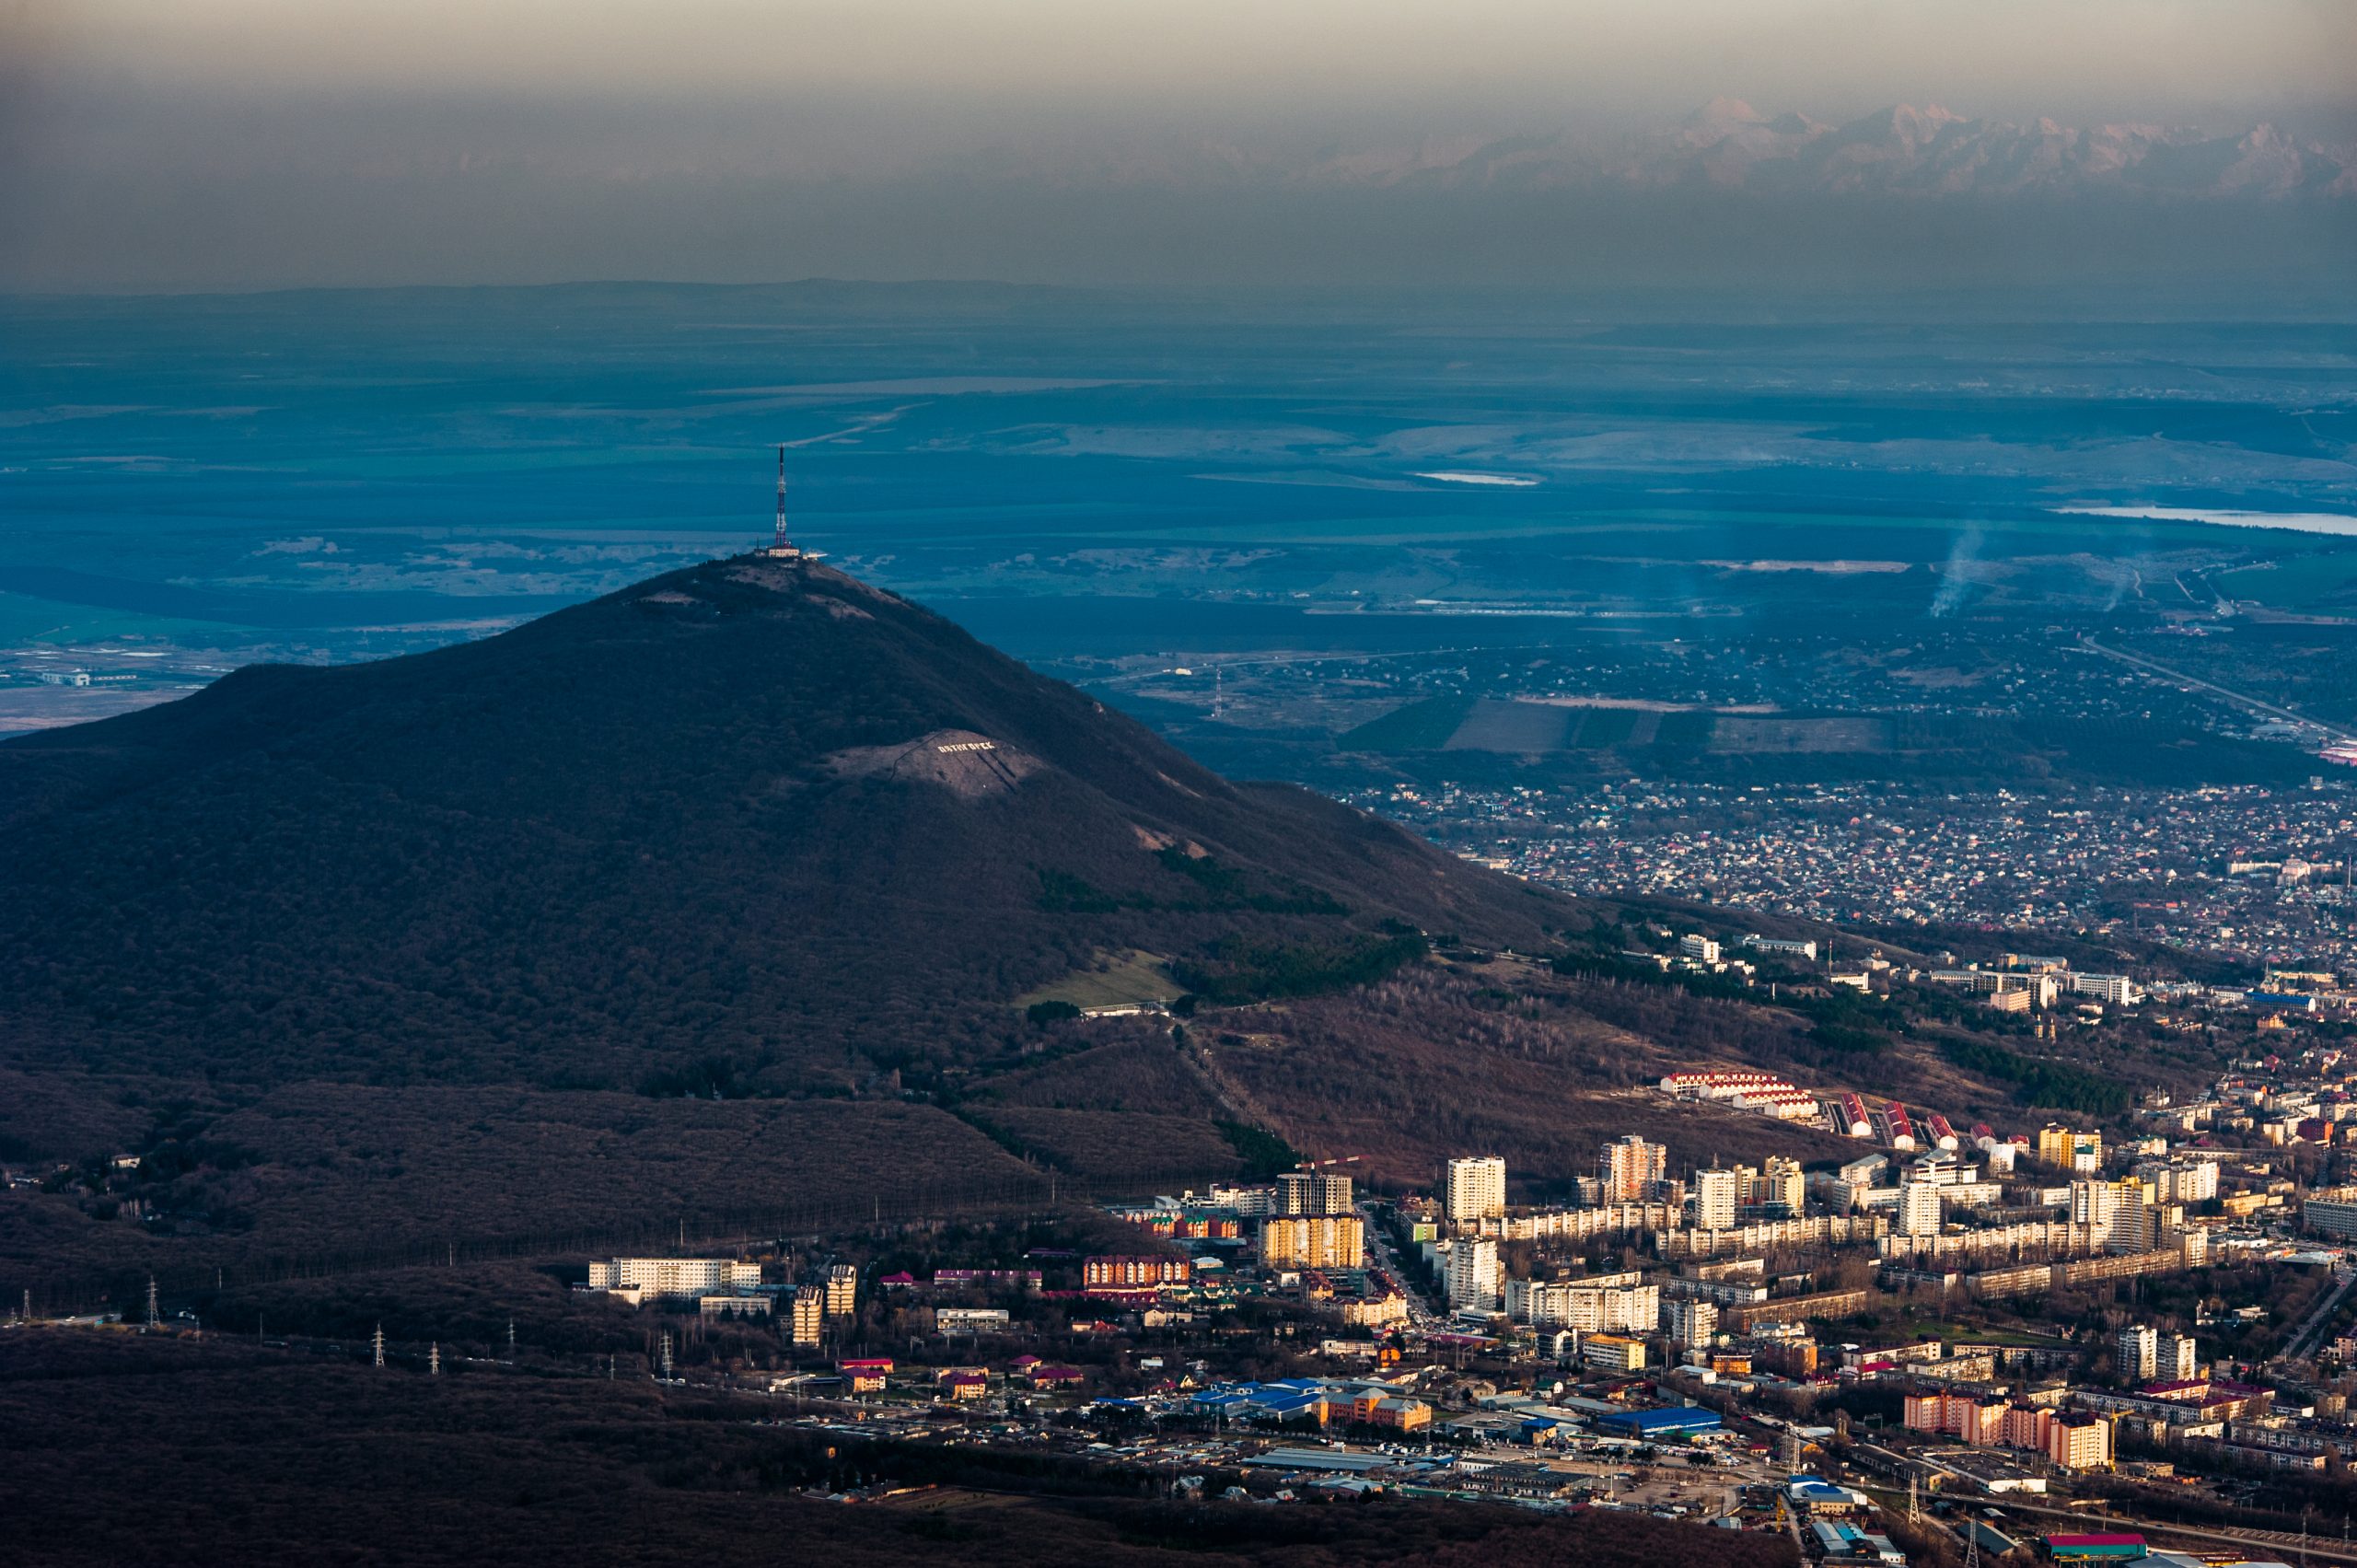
x: 2088, y: 1339
x: 2044, y: 1340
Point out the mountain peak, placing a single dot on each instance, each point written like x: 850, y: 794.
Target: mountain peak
x: 754, y: 805
x: 1724, y: 111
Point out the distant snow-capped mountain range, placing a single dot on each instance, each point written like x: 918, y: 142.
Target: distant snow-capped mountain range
x: 1727, y: 144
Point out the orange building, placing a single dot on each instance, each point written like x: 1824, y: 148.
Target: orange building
x: 1403, y: 1415
x: 2026, y: 1426
x: 1961, y: 1415
x: 2080, y: 1440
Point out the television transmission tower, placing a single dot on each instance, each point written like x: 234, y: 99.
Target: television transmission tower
x: 511, y: 1338
x: 379, y: 1343
x: 434, y: 1359
x: 666, y: 1355
x: 781, y: 548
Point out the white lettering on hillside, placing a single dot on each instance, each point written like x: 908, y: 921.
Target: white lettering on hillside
x: 969, y: 746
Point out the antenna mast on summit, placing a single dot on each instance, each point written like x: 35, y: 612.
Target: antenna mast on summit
x: 781, y: 548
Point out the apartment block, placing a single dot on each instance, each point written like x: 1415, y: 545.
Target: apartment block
x: 1314, y: 1241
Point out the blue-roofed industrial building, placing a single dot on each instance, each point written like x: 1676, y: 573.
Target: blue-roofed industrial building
x: 1670, y: 1420
x: 1847, y: 1543
x: 1814, y: 1492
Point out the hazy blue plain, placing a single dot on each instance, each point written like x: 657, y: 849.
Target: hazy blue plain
x: 336, y: 475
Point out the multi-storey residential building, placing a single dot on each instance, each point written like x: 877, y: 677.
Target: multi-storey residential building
x: 2178, y: 1181
x: 1244, y: 1202
x: 1630, y: 1169
x: 1714, y: 1200
x: 675, y: 1277
x: 809, y: 1315
x: 1373, y: 1312
x: 2116, y: 989
x: 2176, y: 1359
x: 2067, y: 1149
x: 1687, y: 1323
x: 2025, y: 1426
x: 2138, y: 1227
x: 1117, y: 1272
x: 2332, y: 1210
x: 1313, y: 1241
x: 1598, y: 1303
x: 2098, y: 1202
x: 1975, y: 1418
x: 842, y: 1290
x: 1782, y: 1180
x: 2136, y: 1352
x: 1918, y: 1209
x: 1312, y: 1192
x: 1473, y: 1190
x: 1473, y: 1272
x: 1613, y: 1353
x: 1783, y: 946
x: 2078, y: 1440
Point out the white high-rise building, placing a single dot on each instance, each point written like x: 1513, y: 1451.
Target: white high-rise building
x: 1688, y: 1324
x: 1630, y: 1169
x: 1714, y: 1198
x: 2175, y: 1360
x: 673, y: 1276
x: 1600, y: 1304
x: 1474, y: 1189
x: 2094, y: 1202
x: 1473, y: 1272
x: 2137, y: 1353
x: 1919, y: 1208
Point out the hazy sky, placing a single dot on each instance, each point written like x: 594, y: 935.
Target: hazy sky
x: 254, y: 143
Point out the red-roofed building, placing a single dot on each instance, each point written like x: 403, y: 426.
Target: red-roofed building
x: 1057, y: 1376
x: 864, y: 1376
x: 1133, y: 1271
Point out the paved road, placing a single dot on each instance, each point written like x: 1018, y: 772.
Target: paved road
x: 1418, y: 1313
x: 2153, y: 667
x: 2313, y: 1324
x: 2271, y: 1542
